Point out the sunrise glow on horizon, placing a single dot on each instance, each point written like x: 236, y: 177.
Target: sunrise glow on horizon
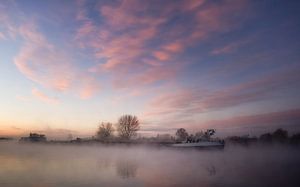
x: 232, y: 65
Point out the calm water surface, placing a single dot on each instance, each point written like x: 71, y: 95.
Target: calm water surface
x: 69, y: 165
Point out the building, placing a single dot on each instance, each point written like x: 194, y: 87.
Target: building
x: 34, y: 137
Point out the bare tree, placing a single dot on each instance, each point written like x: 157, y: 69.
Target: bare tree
x: 105, y: 130
x: 181, y: 134
x: 199, y: 134
x: 128, y: 125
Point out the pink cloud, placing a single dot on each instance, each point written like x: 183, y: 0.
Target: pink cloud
x: 39, y: 61
x: 125, y: 49
x: 226, y: 49
x: 161, y: 55
x: 125, y: 14
x: 86, y: 29
x: 29, y: 32
x: 2, y: 36
x: 174, y: 47
x: 148, y: 77
x: 231, y: 47
x: 8, y: 29
x: 219, y: 16
x: 282, y: 117
x: 45, y: 64
x: 195, y: 101
x: 89, y: 88
x: 211, y: 18
x: 81, y: 12
x: 123, y: 41
x: 189, y: 5
x: 236, y: 125
x: 43, y: 97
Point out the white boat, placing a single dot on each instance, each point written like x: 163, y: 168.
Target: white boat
x: 201, y: 140
x: 201, y: 144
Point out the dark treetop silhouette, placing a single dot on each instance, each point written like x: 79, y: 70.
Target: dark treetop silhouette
x: 105, y: 131
x: 128, y: 125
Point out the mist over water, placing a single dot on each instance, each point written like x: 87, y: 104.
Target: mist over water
x: 39, y: 165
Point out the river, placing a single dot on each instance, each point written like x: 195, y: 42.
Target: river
x: 39, y: 165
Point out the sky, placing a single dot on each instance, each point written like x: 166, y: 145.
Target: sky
x: 232, y: 65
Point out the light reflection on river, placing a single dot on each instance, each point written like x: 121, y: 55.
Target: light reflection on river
x: 70, y: 165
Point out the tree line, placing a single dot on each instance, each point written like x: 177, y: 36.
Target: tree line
x: 278, y: 136
x: 183, y: 136
x: 128, y: 125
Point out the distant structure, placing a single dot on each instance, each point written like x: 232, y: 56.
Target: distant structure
x: 6, y: 139
x: 77, y: 140
x: 34, y: 137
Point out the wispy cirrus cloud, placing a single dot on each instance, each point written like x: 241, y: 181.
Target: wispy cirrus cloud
x: 229, y: 48
x: 240, y: 124
x: 287, y: 117
x: 194, y: 101
x: 2, y: 36
x: 88, y: 87
x: 130, y: 36
x: 7, y: 28
x: 44, y: 63
x: 41, y: 62
x: 184, y: 60
x: 150, y: 76
x: 43, y: 97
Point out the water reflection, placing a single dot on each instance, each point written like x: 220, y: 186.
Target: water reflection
x: 127, y: 168
x: 211, y: 169
x: 104, y: 163
x: 93, y: 166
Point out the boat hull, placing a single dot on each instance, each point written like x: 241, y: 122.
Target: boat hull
x: 200, y: 145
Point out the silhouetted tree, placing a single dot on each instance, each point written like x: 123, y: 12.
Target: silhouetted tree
x: 267, y: 137
x: 105, y: 130
x: 295, y: 139
x: 199, y: 136
x: 128, y: 125
x: 280, y: 135
x: 181, y: 134
x: 244, y: 140
x: 191, y: 138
